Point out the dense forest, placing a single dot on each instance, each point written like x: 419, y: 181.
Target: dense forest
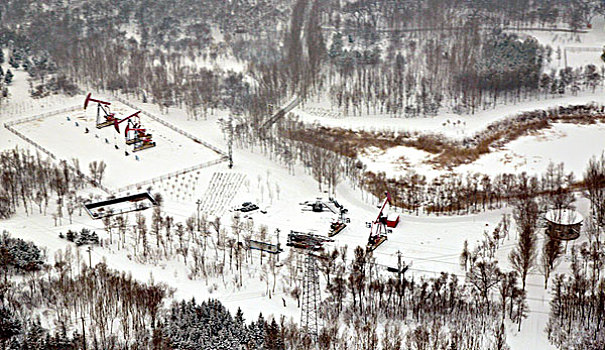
x: 396, y: 57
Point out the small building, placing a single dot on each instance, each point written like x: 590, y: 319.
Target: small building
x: 392, y: 220
x: 563, y: 224
x: 121, y: 205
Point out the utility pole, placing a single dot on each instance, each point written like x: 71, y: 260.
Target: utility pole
x: 230, y: 141
x: 311, y: 298
x: 89, y: 250
x: 198, y: 202
x: 399, y: 266
x: 277, y: 231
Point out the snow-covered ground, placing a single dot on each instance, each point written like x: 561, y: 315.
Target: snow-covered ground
x: 431, y: 244
x: 65, y: 136
x: 571, y: 45
x: 571, y: 144
x: 448, y: 124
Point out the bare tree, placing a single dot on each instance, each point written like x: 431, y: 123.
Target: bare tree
x: 484, y: 275
x: 101, y: 170
x: 594, y: 181
x: 523, y: 256
x: 549, y: 259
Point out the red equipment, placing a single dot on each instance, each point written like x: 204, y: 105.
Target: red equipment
x: 378, y: 228
x: 88, y: 99
x: 117, y: 122
x: 137, y: 135
x: 140, y: 132
x: 101, y: 106
x: 142, y: 144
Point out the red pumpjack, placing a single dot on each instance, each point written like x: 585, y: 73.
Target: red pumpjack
x: 101, y: 106
x: 134, y: 133
x: 139, y: 143
x: 142, y: 144
x: 117, y: 122
x: 378, y: 228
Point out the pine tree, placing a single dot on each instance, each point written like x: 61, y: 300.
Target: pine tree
x: 8, y: 78
x: 70, y: 235
x: 273, y: 340
x: 84, y: 237
x: 35, y: 337
x: 13, y: 62
x: 9, y: 326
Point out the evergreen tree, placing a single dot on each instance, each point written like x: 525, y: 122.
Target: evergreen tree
x: 336, y: 47
x: 24, y: 256
x: 70, y: 235
x: 8, y: 78
x: 84, y: 237
x: 35, y: 336
x: 13, y: 62
x: 9, y: 326
x: 273, y: 340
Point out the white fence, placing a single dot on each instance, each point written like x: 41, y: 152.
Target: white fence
x: 9, y: 126
x: 138, y: 185
x: 170, y: 126
x: 584, y: 49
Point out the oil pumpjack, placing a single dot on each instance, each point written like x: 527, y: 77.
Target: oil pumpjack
x: 134, y: 133
x: 108, y: 118
x: 141, y: 140
x: 378, y: 228
x: 139, y: 137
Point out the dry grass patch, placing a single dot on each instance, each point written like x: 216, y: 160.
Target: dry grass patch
x: 448, y: 153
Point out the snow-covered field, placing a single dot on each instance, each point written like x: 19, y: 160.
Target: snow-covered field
x: 570, y: 144
x: 430, y: 244
x: 60, y: 135
x: 451, y: 125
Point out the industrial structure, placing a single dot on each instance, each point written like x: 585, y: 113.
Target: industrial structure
x: 135, y: 134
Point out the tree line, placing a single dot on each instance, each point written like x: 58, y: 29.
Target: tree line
x: 32, y: 181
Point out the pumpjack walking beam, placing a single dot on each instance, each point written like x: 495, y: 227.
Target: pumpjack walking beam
x: 116, y: 122
x: 101, y: 106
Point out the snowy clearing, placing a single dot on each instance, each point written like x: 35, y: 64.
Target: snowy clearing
x: 60, y: 135
x: 571, y: 144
